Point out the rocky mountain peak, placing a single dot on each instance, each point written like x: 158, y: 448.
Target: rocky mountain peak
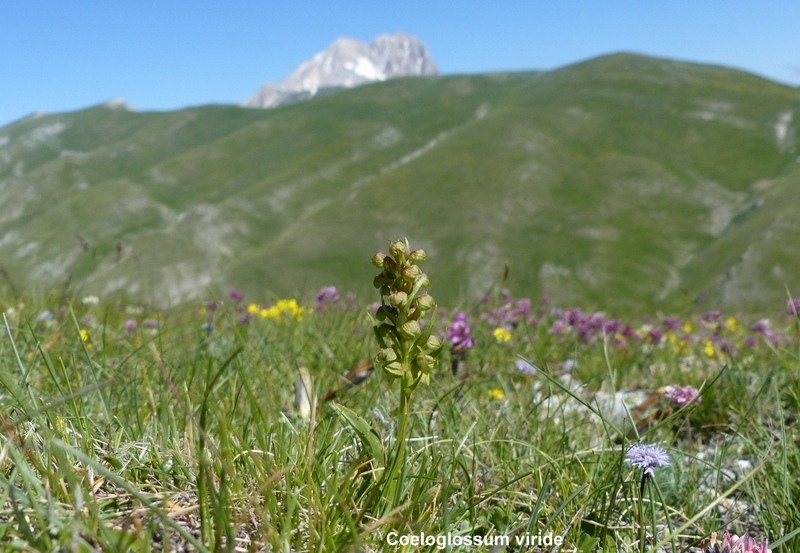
x: 347, y: 63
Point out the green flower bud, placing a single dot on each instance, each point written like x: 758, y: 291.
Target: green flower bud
x: 422, y: 280
x: 417, y: 255
x: 399, y: 250
x: 410, y: 330
x: 433, y: 343
x: 425, y: 362
x: 386, y: 355
x: 399, y: 299
x: 395, y: 368
x: 424, y: 302
x: 411, y: 272
x: 379, y: 259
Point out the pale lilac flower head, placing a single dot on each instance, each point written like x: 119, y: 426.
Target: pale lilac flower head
x: 793, y: 307
x: 524, y: 367
x: 326, y: 296
x: 459, y: 333
x: 682, y: 395
x: 44, y: 316
x: 131, y: 326
x: 570, y: 364
x: 647, y: 457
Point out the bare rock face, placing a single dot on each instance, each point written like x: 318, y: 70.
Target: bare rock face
x: 348, y: 63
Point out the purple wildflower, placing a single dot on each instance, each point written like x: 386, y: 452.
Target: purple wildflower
x: 459, y: 333
x: 750, y: 341
x: 151, y: 323
x: 235, y: 295
x: 726, y: 346
x: 793, y: 307
x: 647, y: 457
x: 131, y: 326
x: 711, y: 316
x: 510, y: 313
x: 731, y: 543
x: 326, y: 296
x: 573, y: 317
x: 672, y: 324
x: 613, y: 326
x: 682, y: 395
x: 655, y: 336
x: 212, y: 306
x: 763, y: 327
x: 523, y: 307
x: 559, y: 325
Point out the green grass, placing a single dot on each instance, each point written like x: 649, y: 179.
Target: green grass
x: 627, y: 182
x: 166, y: 435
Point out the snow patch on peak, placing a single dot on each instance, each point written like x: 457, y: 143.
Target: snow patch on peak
x: 364, y: 67
x: 347, y: 63
x: 118, y: 103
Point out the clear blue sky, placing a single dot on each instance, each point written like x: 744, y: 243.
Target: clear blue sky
x: 60, y: 55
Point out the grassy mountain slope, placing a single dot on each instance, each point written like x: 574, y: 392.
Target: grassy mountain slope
x: 623, y: 181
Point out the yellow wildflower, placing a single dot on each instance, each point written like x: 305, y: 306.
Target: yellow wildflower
x: 253, y: 309
x: 281, y: 308
x: 85, y: 338
x: 678, y: 345
x: 497, y: 393
x: 687, y: 327
x: 708, y: 347
x: 732, y: 324
x: 501, y: 335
